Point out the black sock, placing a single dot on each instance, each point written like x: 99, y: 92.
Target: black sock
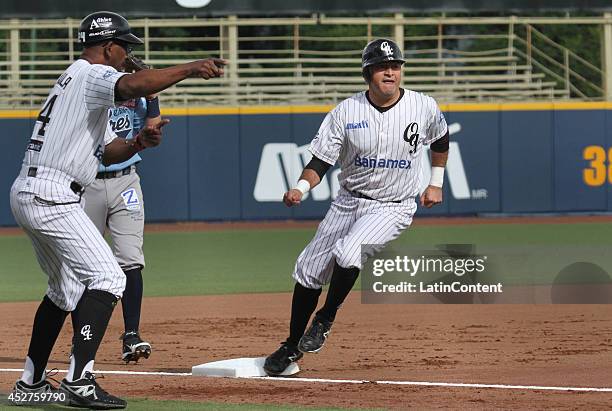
x: 132, y: 299
x: 302, y: 306
x: 90, y: 319
x: 342, y: 281
x: 48, y: 323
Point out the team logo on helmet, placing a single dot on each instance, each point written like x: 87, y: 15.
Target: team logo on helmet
x: 101, y: 22
x: 386, y: 47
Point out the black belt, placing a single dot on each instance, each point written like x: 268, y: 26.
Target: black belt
x: 74, y: 186
x: 359, y: 195
x: 113, y: 174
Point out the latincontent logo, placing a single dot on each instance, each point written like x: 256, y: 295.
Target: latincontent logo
x: 281, y: 164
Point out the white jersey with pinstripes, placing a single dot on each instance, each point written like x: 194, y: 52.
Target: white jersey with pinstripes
x: 72, y: 128
x: 380, y: 153
x: 66, y: 146
x: 381, y: 159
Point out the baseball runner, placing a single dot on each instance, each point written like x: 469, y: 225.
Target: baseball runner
x: 70, y: 138
x: 377, y: 136
x: 114, y: 201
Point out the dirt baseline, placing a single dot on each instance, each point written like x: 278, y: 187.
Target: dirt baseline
x: 544, y: 345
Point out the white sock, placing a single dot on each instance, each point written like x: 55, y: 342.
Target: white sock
x: 28, y: 372
x: 71, y: 377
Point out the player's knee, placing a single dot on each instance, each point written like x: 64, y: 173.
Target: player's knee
x: 130, y: 257
x: 62, y: 302
x: 133, y: 269
x: 348, y: 260
x: 114, y: 284
x: 104, y: 297
x: 308, y: 281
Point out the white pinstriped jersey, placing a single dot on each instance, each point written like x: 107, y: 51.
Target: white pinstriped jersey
x: 60, y: 147
x: 380, y: 154
x: 66, y: 146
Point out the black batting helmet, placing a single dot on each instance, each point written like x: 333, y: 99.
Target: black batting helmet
x: 106, y: 25
x: 378, y: 51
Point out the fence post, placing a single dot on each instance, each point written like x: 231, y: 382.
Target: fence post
x: 71, y: 55
x: 296, y: 48
x: 606, y: 54
x: 233, y: 51
x: 567, y: 71
x: 147, y: 46
x: 528, y: 27
x: 511, y: 43
x: 228, y: 49
x: 442, y: 71
x: 15, y: 53
x: 398, y: 30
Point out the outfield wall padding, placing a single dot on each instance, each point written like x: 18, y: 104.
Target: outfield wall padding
x: 236, y: 166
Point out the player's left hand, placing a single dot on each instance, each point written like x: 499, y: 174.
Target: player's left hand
x: 431, y: 196
x: 292, y: 197
x: 150, y: 136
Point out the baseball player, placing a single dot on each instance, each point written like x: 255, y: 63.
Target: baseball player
x: 70, y: 138
x: 114, y: 201
x: 378, y: 137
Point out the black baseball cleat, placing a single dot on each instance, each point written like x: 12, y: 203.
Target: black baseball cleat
x: 279, y: 360
x: 42, y: 392
x: 315, y: 336
x: 134, y: 347
x: 86, y: 393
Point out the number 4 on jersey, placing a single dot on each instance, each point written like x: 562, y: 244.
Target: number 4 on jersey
x: 45, y: 115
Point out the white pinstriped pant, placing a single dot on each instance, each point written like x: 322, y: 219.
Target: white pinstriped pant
x: 350, y: 223
x: 69, y: 248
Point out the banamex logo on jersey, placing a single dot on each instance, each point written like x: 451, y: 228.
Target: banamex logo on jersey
x: 356, y: 126
x: 281, y: 164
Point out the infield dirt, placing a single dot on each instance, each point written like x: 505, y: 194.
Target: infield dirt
x: 545, y: 345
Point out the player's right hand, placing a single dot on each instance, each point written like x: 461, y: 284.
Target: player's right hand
x: 208, y: 68
x: 292, y: 197
x: 150, y: 136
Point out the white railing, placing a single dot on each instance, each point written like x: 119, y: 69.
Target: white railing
x: 317, y: 59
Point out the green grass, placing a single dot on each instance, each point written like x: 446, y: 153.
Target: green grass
x: 151, y: 405
x: 241, y: 261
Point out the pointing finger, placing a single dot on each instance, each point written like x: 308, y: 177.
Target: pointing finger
x: 162, y: 123
x: 220, y: 62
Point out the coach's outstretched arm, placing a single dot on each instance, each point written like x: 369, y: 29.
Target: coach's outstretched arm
x: 151, y: 81
x: 439, y: 154
x: 311, y: 176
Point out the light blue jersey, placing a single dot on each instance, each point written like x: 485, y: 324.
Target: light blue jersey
x: 126, y: 121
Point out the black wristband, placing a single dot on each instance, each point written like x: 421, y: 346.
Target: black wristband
x: 153, y: 108
x: 440, y: 145
x: 319, y: 166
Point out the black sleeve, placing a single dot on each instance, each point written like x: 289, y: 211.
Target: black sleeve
x: 318, y: 165
x: 441, y: 144
x: 118, y: 96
